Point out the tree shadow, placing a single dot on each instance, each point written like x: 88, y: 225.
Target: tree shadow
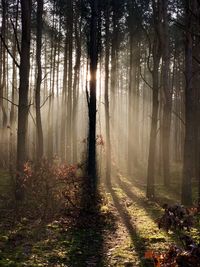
x: 164, y: 194
x: 143, y: 202
x: 86, y: 238
x: 137, y: 240
x: 153, y: 211
x: 86, y: 245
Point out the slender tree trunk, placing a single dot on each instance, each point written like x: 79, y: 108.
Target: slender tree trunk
x: 12, y: 152
x: 39, y: 138
x: 64, y: 98
x: 131, y: 95
x: 154, y: 120
x: 3, y: 64
x: 69, y: 85
x: 3, y: 156
x: 51, y: 99
x: 76, y: 88
x: 107, y: 110
x: 57, y: 102
x: 166, y: 122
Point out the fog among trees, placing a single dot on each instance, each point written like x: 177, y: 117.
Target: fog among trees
x: 99, y: 130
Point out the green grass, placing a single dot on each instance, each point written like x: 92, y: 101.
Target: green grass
x: 105, y: 241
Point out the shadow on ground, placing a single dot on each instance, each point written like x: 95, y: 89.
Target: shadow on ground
x: 137, y: 240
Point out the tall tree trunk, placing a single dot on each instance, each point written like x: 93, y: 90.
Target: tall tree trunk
x: 131, y: 95
x: 3, y: 64
x: 26, y: 6
x: 166, y: 122
x: 70, y: 75
x: 186, y: 196
x: 76, y: 87
x: 93, y: 55
x: 52, y: 82
x: 39, y: 138
x: 12, y: 152
x: 107, y: 110
x: 64, y: 98
x: 3, y: 156
x: 154, y: 120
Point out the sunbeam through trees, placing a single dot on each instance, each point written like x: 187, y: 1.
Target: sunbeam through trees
x: 99, y: 133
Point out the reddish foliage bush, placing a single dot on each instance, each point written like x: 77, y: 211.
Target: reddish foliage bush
x: 52, y: 187
x: 177, y: 257
x: 177, y: 217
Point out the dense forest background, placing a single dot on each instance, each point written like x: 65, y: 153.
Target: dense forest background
x: 91, y: 91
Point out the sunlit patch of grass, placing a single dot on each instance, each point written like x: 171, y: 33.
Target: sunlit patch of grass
x: 123, y: 253
x: 144, y: 215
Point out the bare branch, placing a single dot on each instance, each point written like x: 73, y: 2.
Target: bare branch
x: 14, y: 104
x: 32, y: 117
x: 8, y: 50
x: 45, y: 76
x: 150, y: 48
x: 178, y: 116
x: 16, y: 38
x: 196, y: 59
x: 45, y: 101
x: 144, y: 80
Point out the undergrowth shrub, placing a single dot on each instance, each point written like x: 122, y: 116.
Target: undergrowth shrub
x: 189, y: 256
x: 52, y: 187
x: 178, y: 219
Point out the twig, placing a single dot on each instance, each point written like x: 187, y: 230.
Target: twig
x: 32, y: 117
x: 45, y: 101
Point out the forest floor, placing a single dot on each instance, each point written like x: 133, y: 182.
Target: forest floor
x: 118, y: 235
